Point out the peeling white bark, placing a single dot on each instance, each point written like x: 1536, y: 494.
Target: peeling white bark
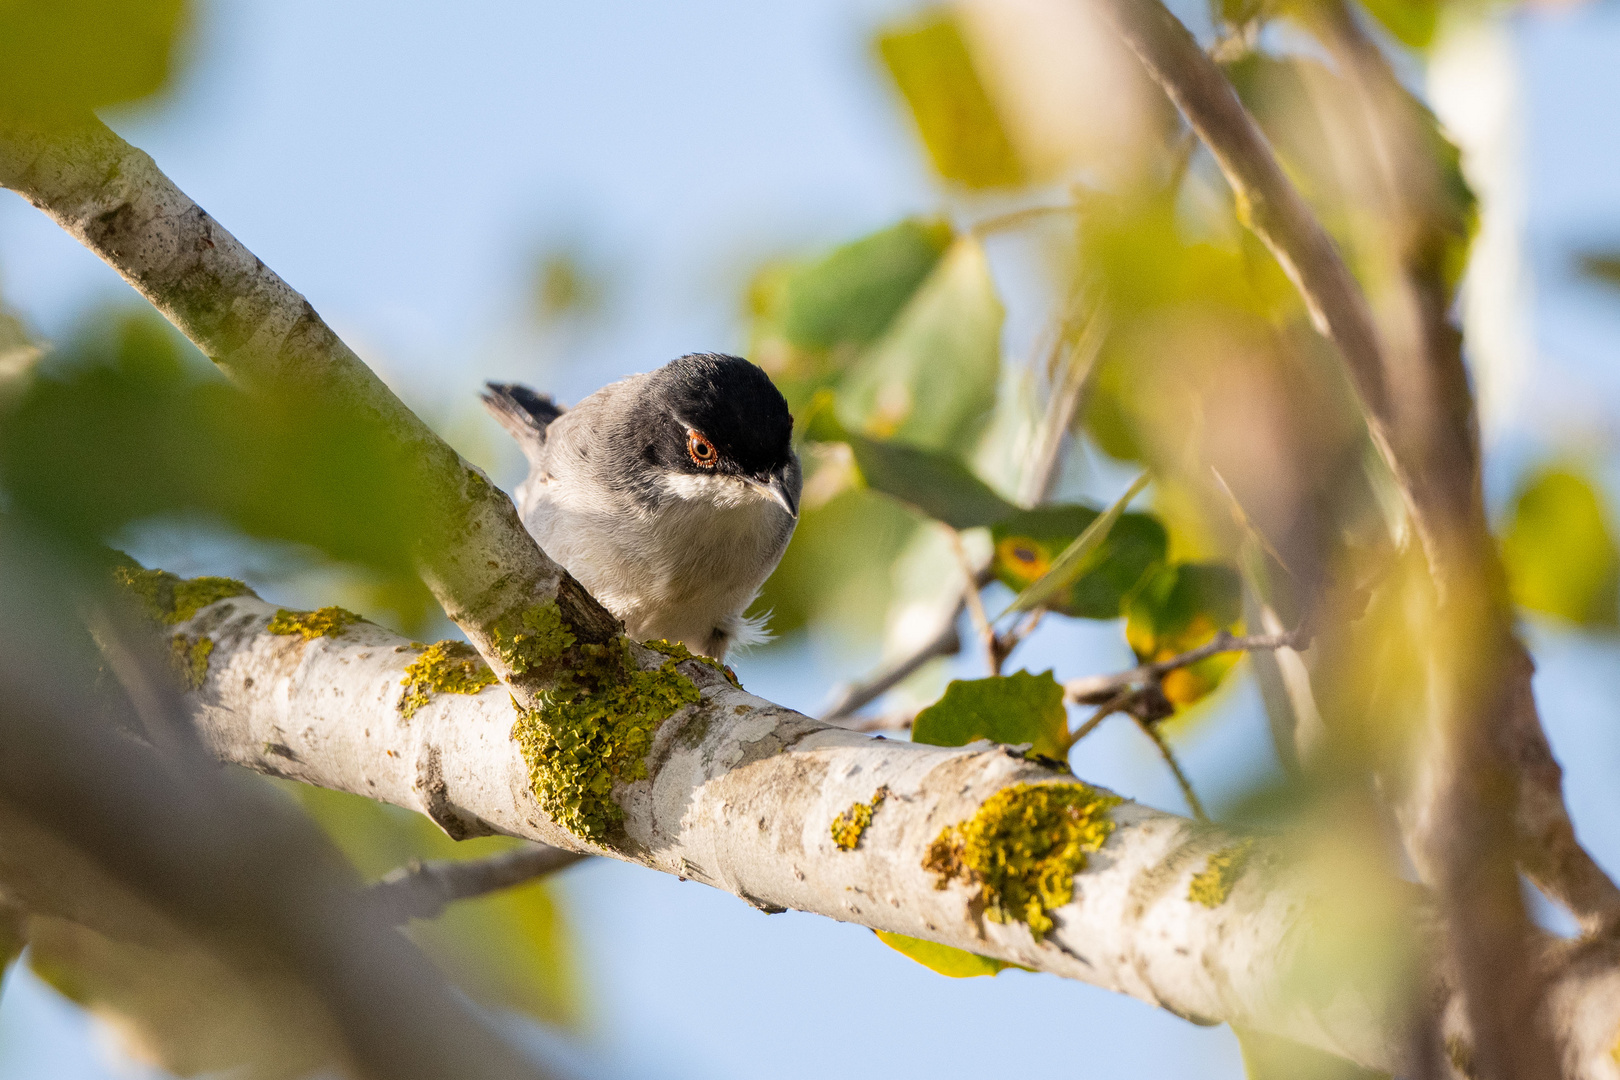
x: 741, y: 795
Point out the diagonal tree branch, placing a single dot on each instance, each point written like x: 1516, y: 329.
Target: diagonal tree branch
x: 422, y: 890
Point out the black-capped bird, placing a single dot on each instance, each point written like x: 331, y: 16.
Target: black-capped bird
x: 670, y: 496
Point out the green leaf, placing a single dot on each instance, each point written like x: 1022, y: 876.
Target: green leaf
x: 1411, y: 21
x: 951, y: 962
x: 1604, y: 266
x: 1027, y: 541
x: 929, y: 60
x: 1007, y: 709
x: 851, y: 296
x: 59, y: 59
x: 1559, y: 547
x: 1179, y: 608
x: 1077, y: 558
x: 508, y: 949
x: 931, y: 380
x: 1270, y: 1057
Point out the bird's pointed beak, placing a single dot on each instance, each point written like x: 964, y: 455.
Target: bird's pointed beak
x: 776, y: 490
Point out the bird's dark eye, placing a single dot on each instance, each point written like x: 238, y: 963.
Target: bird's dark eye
x: 704, y: 455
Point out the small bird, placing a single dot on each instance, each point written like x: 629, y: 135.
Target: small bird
x: 670, y: 496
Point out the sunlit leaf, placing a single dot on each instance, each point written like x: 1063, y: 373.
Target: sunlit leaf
x: 931, y: 379
x: 1079, y: 557
x: 1559, y: 547
x: 948, y: 961
x: 1009, y: 709
x: 1177, y: 609
x: 1270, y: 1057
x: 1412, y: 22
x: 508, y: 949
x: 853, y: 294
x: 62, y: 57
x: 929, y: 60
x: 1027, y: 541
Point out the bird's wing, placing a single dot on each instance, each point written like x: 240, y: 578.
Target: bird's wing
x: 523, y: 413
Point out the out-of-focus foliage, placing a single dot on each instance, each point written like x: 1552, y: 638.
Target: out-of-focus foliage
x: 1412, y: 22
x: 930, y: 63
x: 950, y: 962
x: 1009, y: 709
x: 851, y: 296
x: 62, y: 58
x: 1267, y: 1057
x: 128, y: 423
x: 1179, y: 608
x: 508, y: 949
x: 182, y: 1009
x: 1027, y: 541
x: 565, y: 285
x: 1076, y: 559
x: 1559, y: 547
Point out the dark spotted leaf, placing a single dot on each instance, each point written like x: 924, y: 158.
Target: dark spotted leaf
x: 1178, y: 608
x: 1027, y: 541
x: 1010, y: 709
x: 1078, y: 558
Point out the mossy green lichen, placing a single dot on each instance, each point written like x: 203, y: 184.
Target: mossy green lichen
x: 678, y: 652
x: 532, y: 638
x: 171, y: 599
x: 1213, y: 884
x: 593, y: 729
x: 191, y: 659
x: 848, y: 827
x: 1023, y: 848
x: 446, y: 667
x: 324, y: 622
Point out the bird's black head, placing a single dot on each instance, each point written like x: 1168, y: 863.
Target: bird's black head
x: 722, y: 416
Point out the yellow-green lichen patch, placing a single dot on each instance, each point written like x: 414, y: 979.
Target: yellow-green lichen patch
x: 594, y: 729
x: 447, y: 667
x: 678, y: 652
x: 324, y: 622
x: 848, y: 827
x: 171, y: 599
x: 1023, y: 848
x: 1213, y: 884
x: 191, y: 659
x: 532, y: 638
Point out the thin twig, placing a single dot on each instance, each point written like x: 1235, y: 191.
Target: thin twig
x: 1072, y: 368
x: 1014, y: 218
x: 1151, y: 730
x: 422, y: 890
x: 1094, y: 688
x: 975, y: 604
x: 1104, y: 711
x: 851, y: 697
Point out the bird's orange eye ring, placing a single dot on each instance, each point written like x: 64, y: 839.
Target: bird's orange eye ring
x: 702, y: 451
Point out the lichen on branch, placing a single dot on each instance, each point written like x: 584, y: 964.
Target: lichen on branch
x: 532, y: 638
x: 323, y: 622
x: 171, y: 599
x: 446, y: 667
x: 848, y: 827
x: 593, y: 729
x: 1213, y: 884
x: 1023, y: 848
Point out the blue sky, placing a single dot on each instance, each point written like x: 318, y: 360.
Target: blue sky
x: 400, y: 163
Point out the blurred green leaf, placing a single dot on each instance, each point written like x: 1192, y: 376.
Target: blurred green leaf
x: 1178, y: 608
x: 508, y: 949
x: 953, y: 963
x: 853, y: 294
x: 1412, y: 22
x: 1268, y: 1057
x: 931, y: 380
x: 129, y: 423
x: 59, y: 58
x: 1604, y: 266
x: 836, y: 570
x: 1559, y: 547
x: 565, y: 285
x: 1027, y: 541
x: 1078, y: 558
x: 933, y: 483
x: 1007, y: 709
x: 929, y: 60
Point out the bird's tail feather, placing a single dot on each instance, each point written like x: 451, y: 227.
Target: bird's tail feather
x: 523, y: 413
